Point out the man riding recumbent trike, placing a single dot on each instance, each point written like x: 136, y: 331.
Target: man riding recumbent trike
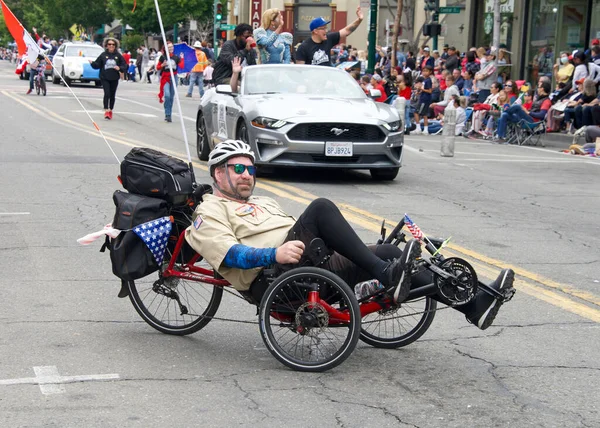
x: 299, y: 273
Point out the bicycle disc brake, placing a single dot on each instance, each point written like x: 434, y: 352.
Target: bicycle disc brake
x: 459, y: 284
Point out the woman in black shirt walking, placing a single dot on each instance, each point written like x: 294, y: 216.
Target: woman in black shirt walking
x: 111, y: 64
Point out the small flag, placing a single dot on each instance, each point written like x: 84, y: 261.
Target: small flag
x: 413, y: 228
x: 155, y: 235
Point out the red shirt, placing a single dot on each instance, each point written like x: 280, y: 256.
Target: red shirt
x: 383, y: 96
x: 405, y: 93
x: 127, y: 57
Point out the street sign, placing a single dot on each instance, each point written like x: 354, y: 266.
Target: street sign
x: 450, y: 9
x: 227, y: 27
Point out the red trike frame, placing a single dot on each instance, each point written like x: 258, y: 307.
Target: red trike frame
x: 200, y: 274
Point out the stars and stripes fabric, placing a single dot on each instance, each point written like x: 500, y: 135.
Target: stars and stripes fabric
x: 155, y: 235
x: 413, y: 228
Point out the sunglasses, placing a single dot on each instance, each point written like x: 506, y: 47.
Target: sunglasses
x: 110, y: 44
x: 239, y: 168
x: 508, y: 86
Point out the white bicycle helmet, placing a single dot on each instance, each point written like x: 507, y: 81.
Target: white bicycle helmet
x: 226, y: 150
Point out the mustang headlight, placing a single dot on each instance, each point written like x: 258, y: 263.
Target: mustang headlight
x: 265, y: 122
x: 393, y: 126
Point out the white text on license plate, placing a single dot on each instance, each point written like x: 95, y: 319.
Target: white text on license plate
x: 333, y: 148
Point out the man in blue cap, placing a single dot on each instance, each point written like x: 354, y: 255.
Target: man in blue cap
x: 317, y: 48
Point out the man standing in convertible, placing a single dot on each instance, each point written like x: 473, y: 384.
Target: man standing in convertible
x: 240, y: 234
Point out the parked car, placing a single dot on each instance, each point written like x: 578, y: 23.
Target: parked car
x: 72, y: 62
x: 23, y: 68
x: 294, y: 116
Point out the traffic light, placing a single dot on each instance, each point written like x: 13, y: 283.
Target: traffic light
x: 219, y: 12
x: 430, y: 5
x: 432, y: 30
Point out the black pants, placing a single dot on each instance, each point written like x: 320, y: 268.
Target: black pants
x: 352, y: 260
x: 110, y: 90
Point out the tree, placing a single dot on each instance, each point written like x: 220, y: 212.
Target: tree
x: 145, y: 20
x: 397, y: 20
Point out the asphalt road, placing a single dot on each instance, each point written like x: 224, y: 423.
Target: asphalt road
x: 530, y: 208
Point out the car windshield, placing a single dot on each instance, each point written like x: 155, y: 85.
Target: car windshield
x: 318, y: 81
x: 84, y: 51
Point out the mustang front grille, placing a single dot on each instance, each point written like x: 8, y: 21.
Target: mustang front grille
x: 336, y: 132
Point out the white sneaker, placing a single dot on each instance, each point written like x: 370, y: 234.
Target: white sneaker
x: 417, y: 131
x: 425, y: 131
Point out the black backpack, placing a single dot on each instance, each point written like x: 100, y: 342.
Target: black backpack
x: 149, y: 172
x: 131, y: 259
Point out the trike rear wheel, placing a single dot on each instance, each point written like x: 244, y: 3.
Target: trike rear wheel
x: 398, y: 326
x: 309, y: 336
x: 159, y: 301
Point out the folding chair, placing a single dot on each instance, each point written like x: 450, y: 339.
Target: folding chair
x: 530, y: 133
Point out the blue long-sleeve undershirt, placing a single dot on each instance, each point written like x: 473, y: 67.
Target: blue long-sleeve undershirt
x: 244, y: 257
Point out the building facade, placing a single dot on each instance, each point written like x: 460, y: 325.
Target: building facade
x: 533, y: 31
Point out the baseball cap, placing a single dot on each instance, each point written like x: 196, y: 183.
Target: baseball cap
x: 445, y: 45
x: 580, y: 81
x: 595, y: 42
x: 318, y: 22
x: 377, y: 77
x: 426, y: 48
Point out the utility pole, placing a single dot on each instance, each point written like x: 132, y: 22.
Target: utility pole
x: 215, y: 24
x: 435, y: 20
x: 372, y: 37
x: 497, y: 22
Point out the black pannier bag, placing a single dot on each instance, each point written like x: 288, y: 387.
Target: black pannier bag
x: 152, y: 173
x: 131, y: 259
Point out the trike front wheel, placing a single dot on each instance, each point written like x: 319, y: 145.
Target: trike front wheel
x: 309, y: 334
x: 398, y: 326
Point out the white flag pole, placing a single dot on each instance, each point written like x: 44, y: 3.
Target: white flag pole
x: 173, y: 82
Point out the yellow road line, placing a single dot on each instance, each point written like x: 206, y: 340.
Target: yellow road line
x: 372, y: 222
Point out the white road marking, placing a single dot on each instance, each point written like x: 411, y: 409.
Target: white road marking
x: 50, y: 382
x: 23, y: 213
x: 118, y: 112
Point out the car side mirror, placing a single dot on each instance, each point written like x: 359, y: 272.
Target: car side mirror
x: 374, y: 93
x: 225, y: 89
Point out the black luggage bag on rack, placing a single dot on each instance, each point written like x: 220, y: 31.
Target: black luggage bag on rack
x: 151, y: 173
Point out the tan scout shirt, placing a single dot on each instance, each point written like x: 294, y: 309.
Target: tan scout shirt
x: 220, y: 223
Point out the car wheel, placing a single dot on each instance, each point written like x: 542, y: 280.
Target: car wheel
x: 55, y: 79
x: 242, y: 132
x: 65, y: 78
x: 384, y: 174
x: 202, y: 147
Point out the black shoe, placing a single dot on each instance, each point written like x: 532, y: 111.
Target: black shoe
x: 168, y: 119
x: 399, y: 271
x: 485, y: 306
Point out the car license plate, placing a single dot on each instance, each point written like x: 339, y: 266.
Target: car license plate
x: 334, y: 148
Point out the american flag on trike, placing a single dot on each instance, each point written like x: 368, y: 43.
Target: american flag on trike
x: 413, y: 228
x: 155, y: 235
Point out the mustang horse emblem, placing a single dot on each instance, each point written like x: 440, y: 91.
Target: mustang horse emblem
x: 338, y: 131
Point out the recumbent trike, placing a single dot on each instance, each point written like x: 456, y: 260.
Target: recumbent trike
x: 309, y: 318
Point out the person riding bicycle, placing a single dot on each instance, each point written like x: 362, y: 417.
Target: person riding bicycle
x: 34, y: 69
x: 240, y: 235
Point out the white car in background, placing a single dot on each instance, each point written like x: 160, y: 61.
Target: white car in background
x: 72, y: 62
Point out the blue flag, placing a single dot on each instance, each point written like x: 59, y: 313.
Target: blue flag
x: 155, y: 235
x: 189, y: 57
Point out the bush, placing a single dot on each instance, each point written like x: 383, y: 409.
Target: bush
x: 131, y: 42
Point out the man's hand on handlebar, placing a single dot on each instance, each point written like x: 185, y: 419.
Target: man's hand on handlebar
x: 290, y: 252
